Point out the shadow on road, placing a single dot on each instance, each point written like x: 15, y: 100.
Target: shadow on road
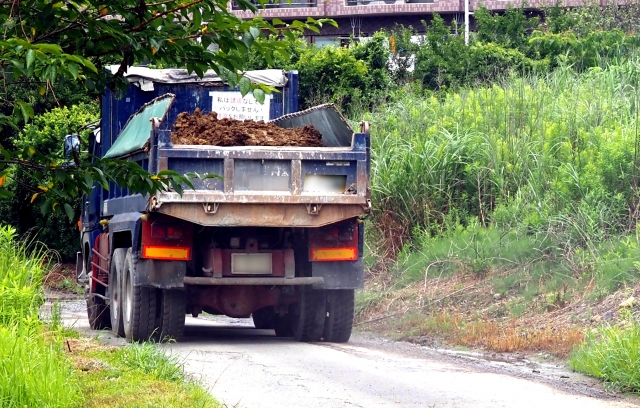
x: 199, y: 333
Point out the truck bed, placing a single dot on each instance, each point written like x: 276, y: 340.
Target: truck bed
x: 268, y: 186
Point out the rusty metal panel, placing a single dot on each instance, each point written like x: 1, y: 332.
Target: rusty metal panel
x: 200, y: 166
x: 363, y: 183
x: 253, y: 197
x: 265, y: 215
x: 262, y: 152
x: 296, y: 177
x: 316, y: 281
x: 228, y: 175
x: 262, y: 175
x: 236, y: 300
x: 289, y: 264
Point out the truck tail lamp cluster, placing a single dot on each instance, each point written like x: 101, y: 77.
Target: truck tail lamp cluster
x: 166, y: 239
x: 337, y: 242
x: 162, y: 230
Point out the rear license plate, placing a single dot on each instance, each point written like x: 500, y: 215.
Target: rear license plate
x: 251, y: 264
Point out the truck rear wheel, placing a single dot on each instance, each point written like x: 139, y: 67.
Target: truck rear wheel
x: 98, y: 313
x: 115, y: 291
x: 264, y: 318
x: 173, y: 310
x: 138, y: 304
x: 282, y: 326
x: 339, y: 321
x: 309, y: 314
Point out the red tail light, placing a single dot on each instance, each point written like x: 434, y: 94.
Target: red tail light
x: 161, y: 230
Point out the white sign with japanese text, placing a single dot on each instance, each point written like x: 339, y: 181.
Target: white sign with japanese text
x: 233, y: 105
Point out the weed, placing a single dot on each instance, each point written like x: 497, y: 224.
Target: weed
x: 611, y: 354
x: 149, y: 359
x: 139, y: 375
x: 34, y: 371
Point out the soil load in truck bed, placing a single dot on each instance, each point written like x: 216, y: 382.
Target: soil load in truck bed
x: 207, y: 129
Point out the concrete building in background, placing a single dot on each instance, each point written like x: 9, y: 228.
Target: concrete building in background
x: 362, y: 18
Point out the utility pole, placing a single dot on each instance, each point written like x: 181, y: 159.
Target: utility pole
x: 467, y: 15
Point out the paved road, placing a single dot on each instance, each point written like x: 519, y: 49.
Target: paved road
x: 245, y: 367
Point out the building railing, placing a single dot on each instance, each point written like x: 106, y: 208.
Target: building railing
x: 280, y: 4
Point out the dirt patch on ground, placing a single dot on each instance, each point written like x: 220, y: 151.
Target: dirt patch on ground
x: 465, y: 310
x: 207, y: 129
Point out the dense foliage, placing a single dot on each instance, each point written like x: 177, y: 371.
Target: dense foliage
x: 45, y: 43
x: 45, y: 134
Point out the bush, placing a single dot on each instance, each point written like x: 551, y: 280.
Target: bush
x: 509, y: 29
x: 46, y: 134
x: 611, y: 354
x: 352, y: 77
x: 443, y: 60
x: 592, y: 50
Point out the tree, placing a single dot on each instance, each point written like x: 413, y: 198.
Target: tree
x: 47, y: 41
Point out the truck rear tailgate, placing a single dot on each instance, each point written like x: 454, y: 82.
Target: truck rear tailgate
x: 269, y: 186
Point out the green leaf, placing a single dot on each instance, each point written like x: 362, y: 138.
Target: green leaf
x: 197, y: 17
x: 168, y: 173
x: 259, y: 95
x: 46, y: 206
x: 245, y: 85
x: 255, y: 32
x: 26, y: 109
x: 73, y: 69
x: 49, y: 49
x: 69, y: 210
x: 31, y: 56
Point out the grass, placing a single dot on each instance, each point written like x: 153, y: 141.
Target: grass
x: 464, y: 330
x: 35, y: 372
x: 611, y: 353
x: 552, y: 155
x: 138, y: 375
x: 47, y: 365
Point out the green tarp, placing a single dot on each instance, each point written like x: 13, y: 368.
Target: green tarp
x: 137, y: 130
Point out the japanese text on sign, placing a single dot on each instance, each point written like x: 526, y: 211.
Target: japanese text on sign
x: 233, y: 105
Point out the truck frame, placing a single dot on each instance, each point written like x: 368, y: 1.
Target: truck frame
x: 279, y: 236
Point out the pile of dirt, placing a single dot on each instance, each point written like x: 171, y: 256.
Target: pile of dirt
x: 207, y: 129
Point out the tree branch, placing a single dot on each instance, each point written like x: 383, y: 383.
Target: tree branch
x: 164, y: 13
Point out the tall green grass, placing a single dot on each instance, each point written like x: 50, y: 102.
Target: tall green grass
x: 613, y: 355
x: 22, y: 268
x: 554, y: 154
x: 34, y: 371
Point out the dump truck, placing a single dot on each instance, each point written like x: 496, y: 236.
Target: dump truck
x: 277, y: 236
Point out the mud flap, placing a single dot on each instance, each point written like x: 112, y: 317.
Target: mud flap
x: 340, y: 275
x: 160, y: 274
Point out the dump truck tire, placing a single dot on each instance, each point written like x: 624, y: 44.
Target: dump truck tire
x: 264, y: 318
x: 138, y: 304
x: 98, y: 313
x: 173, y: 313
x: 282, y: 326
x: 309, y: 314
x: 339, y: 321
x: 115, y: 290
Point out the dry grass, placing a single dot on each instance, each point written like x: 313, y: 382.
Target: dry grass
x: 462, y: 310
x: 490, y: 335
